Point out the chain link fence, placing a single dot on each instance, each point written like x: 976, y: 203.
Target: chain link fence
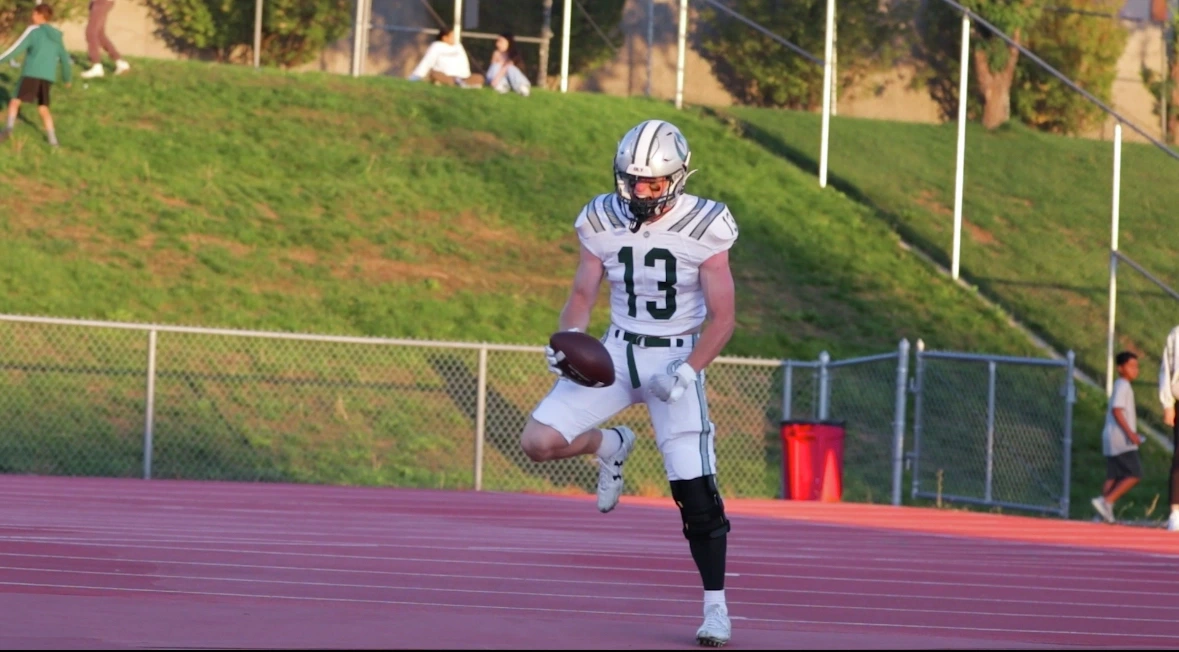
x: 868, y: 395
x: 993, y: 430
x: 130, y: 400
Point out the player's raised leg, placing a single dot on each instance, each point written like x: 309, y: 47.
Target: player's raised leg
x: 565, y: 424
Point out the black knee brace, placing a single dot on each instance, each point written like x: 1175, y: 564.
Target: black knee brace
x: 701, y: 507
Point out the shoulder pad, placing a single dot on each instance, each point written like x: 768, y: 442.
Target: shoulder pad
x: 600, y: 215
x: 710, y: 223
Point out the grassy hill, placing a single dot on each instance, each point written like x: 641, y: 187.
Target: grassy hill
x: 195, y: 194
x: 1036, y: 220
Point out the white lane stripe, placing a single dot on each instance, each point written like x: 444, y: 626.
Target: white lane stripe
x: 577, y: 596
x: 780, y: 621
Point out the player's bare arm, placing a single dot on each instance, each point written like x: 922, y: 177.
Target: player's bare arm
x: 587, y: 280
x: 716, y: 282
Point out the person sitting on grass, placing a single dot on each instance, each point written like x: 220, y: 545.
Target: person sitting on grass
x: 446, y: 63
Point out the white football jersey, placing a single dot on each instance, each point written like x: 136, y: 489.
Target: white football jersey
x: 655, y: 274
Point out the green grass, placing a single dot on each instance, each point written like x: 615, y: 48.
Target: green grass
x: 1036, y: 231
x: 196, y: 194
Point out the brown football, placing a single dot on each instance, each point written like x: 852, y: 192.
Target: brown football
x: 587, y: 362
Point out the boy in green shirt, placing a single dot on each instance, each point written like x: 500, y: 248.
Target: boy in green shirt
x: 43, y: 48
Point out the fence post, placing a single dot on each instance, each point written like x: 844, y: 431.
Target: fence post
x: 566, y: 27
x: 480, y: 417
x: 919, y: 377
x: 898, y: 424
x: 787, y: 390
x: 828, y: 46
x: 358, y: 38
x: 1113, y: 259
x: 681, y: 45
x: 824, y: 384
x: 258, y: 33
x: 1070, y: 397
x: 960, y: 167
x: 546, y: 34
x: 149, y: 411
x: 990, y: 477
x: 650, y: 43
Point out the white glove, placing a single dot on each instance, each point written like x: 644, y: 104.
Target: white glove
x: 670, y: 388
x: 553, y: 357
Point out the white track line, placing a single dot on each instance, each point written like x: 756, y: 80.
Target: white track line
x: 517, y: 578
x: 580, y: 596
x: 919, y: 568
x: 564, y: 543
x: 777, y: 621
x: 419, y: 560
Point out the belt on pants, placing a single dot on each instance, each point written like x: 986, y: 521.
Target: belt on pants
x: 645, y: 341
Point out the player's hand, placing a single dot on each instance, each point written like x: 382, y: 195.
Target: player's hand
x: 670, y: 387
x: 554, y: 357
x: 1169, y: 416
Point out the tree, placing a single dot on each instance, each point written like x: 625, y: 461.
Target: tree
x: 760, y: 71
x: 1166, y: 85
x: 994, y: 58
x: 293, y: 31
x: 1083, y: 46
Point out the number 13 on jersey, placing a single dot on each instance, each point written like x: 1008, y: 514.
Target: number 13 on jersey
x: 656, y: 258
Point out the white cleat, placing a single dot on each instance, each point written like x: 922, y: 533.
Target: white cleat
x: 716, y: 630
x: 94, y: 71
x: 610, y: 474
x: 1173, y: 522
x: 121, y: 67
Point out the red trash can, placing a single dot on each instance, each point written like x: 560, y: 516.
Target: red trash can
x: 812, y: 460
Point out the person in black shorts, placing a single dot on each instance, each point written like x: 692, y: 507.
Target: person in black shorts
x: 1120, y: 439
x: 44, y: 48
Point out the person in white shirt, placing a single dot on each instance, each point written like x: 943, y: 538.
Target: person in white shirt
x: 1120, y: 439
x: 1168, y: 396
x: 446, y: 62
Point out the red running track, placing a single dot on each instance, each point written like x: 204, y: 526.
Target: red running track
x: 102, y: 563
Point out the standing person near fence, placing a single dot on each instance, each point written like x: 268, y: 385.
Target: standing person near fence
x: 97, y: 40
x: 666, y: 254
x: 1169, y: 396
x: 1120, y: 439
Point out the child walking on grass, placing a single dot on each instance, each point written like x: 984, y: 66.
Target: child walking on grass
x: 44, y: 48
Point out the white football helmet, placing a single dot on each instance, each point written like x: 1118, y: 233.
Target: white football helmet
x: 652, y: 149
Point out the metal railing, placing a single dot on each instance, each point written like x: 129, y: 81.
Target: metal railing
x: 985, y: 438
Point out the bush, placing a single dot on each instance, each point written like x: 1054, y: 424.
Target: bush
x: 293, y: 31
x: 759, y: 71
x: 15, y: 15
x: 1082, y: 47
